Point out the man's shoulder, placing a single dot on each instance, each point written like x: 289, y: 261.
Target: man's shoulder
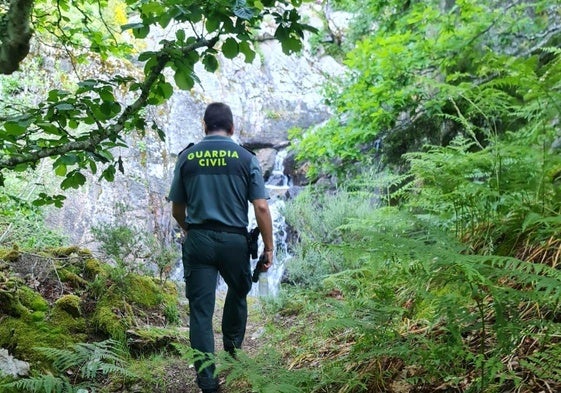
x: 230, y: 143
x: 248, y: 149
x: 186, y: 148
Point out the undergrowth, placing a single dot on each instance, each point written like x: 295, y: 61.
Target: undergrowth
x: 409, y: 303
x: 78, y: 369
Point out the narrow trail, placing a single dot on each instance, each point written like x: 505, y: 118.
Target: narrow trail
x: 180, y: 374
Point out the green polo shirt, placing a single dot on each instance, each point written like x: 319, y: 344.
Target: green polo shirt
x: 215, y: 179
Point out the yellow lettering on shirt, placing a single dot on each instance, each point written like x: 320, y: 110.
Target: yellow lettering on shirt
x: 212, y: 162
x: 212, y: 158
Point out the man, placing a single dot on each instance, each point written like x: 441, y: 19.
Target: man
x: 212, y: 184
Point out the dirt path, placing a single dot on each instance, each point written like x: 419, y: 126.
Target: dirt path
x: 180, y: 375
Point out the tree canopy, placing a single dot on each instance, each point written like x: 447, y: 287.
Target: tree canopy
x: 425, y: 72
x: 79, y: 128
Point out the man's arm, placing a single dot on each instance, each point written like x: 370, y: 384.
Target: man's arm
x: 265, y: 224
x: 178, y: 212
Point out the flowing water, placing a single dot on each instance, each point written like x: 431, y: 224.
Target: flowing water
x: 277, y: 185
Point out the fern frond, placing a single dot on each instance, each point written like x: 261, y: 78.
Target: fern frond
x: 62, y: 359
x: 545, y: 363
x: 45, y: 384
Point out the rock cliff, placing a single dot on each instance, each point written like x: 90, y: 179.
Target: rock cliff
x: 269, y: 96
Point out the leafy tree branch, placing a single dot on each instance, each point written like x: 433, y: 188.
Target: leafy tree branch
x: 79, y: 129
x: 102, y: 133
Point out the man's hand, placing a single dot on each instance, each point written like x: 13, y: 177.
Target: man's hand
x: 178, y: 212
x: 267, y: 258
x: 265, y: 223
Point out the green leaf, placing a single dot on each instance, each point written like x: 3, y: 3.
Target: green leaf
x: 106, y: 95
x: 141, y: 32
x: 165, y: 89
x: 241, y: 10
x: 230, y: 48
x: 180, y: 35
x: 159, y: 131
x: 64, y: 106
x: 57, y: 94
x: 152, y: 61
x: 44, y: 199
x: 281, y: 33
x: 183, y: 80
x: 49, y: 128
x: 249, y: 53
x: 210, y: 62
x: 130, y: 26
x: 93, y: 166
x: 108, y: 173
x: 61, y: 170
x: 67, y: 159
x: 291, y: 45
x: 14, y: 128
x: 73, y: 180
x: 164, y: 19
x: 146, y: 55
x: 212, y: 24
x: 21, y: 167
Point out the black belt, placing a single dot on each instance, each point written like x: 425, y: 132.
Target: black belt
x: 218, y: 227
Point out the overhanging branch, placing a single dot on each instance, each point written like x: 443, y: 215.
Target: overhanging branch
x: 103, y: 134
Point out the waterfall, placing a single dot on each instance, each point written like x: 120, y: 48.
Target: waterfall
x: 277, y: 185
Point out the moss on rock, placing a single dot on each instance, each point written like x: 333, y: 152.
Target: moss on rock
x: 32, y: 299
x: 113, y: 316
x: 10, y: 303
x: 93, y: 268
x: 70, y: 304
x: 23, y: 336
x: 10, y: 254
x: 143, y: 291
x: 72, y: 278
x: 68, y: 250
x: 155, y: 340
x: 67, y: 314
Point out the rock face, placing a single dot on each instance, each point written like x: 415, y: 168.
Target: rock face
x: 268, y: 97
x: 12, y: 366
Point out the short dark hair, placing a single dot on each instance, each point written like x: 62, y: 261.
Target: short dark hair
x: 218, y: 116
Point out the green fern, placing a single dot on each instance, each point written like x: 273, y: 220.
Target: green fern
x: 264, y: 373
x: 400, y: 271
x: 90, y: 360
x: 43, y: 384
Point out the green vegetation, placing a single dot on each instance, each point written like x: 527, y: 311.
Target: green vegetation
x: 425, y: 73
x: 78, y: 124
x: 68, y: 328
x: 441, y: 272
x: 432, y: 267
x: 85, y: 362
x: 22, y: 222
x: 408, y: 304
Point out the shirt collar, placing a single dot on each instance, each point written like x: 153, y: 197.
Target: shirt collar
x: 217, y: 138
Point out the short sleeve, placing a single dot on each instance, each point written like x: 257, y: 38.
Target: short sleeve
x: 257, y: 188
x: 177, y: 190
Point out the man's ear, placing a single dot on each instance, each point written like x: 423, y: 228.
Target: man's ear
x: 204, y: 126
x: 231, y: 130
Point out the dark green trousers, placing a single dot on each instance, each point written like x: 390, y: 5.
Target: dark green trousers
x: 207, y: 253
